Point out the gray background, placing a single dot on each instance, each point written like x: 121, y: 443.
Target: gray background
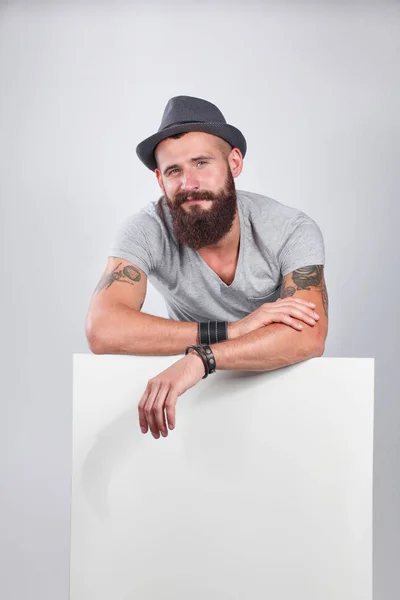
x: 314, y: 88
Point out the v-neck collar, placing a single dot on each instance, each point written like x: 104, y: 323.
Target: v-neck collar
x: 242, y: 225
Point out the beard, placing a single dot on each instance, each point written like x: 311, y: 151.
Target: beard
x: 199, y: 227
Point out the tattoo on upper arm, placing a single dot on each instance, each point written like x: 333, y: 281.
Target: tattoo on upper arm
x: 127, y: 274
x: 305, y: 278
x: 287, y: 290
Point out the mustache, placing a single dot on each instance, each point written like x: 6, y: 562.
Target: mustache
x: 194, y: 195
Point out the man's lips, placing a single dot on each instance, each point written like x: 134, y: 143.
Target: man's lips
x: 190, y: 201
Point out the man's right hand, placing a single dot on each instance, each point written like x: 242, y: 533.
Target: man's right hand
x: 289, y: 311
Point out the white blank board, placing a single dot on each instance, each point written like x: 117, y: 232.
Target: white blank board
x: 263, y: 490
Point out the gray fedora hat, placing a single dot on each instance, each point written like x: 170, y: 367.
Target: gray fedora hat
x: 187, y: 113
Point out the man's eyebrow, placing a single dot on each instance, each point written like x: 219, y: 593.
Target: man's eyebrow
x: 195, y: 159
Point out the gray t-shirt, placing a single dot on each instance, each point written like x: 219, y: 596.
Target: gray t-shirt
x: 275, y: 239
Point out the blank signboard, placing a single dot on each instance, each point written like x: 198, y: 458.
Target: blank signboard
x: 263, y: 490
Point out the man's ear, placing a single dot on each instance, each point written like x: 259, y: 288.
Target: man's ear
x: 235, y: 161
x: 159, y: 180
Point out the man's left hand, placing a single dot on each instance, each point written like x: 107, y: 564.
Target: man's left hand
x: 162, y: 392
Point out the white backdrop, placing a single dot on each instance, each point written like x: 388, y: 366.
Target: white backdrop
x: 263, y: 489
x: 315, y: 89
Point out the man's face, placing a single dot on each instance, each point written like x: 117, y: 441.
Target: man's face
x: 199, y: 188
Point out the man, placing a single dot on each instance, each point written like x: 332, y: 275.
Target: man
x: 241, y: 274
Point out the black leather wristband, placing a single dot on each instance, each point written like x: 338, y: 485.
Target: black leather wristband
x: 212, y: 332
x: 212, y: 338
x: 210, y: 359
x: 203, y: 333
x: 199, y: 350
x: 222, y: 331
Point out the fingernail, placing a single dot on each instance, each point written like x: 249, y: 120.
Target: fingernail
x: 164, y: 433
x: 170, y: 425
x: 143, y: 429
x: 156, y: 435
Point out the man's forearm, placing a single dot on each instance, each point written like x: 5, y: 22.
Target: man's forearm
x: 123, y: 330
x: 268, y: 348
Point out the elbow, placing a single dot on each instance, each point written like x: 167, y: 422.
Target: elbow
x: 318, y: 348
x: 95, y: 345
x: 93, y: 337
x: 313, y: 347
x: 316, y: 341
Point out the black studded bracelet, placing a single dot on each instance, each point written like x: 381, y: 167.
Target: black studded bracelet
x: 207, y: 356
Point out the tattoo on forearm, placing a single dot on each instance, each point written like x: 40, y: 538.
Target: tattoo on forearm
x: 305, y: 278
x: 127, y: 274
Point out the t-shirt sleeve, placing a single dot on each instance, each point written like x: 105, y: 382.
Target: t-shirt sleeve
x: 303, y: 245
x: 133, y: 243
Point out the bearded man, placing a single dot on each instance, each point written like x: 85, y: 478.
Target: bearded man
x: 241, y: 273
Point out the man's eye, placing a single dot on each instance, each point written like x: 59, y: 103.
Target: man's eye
x: 170, y: 173
x: 202, y: 161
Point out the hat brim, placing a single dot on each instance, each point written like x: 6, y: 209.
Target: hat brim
x: 229, y: 133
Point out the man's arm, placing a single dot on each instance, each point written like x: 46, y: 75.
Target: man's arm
x: 115, y: 325
x: 263, y: 349
x: 277, y: 345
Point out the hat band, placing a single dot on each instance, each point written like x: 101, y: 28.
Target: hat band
x: 179, y: 123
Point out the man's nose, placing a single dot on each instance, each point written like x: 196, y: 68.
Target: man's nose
x: 189, y: 181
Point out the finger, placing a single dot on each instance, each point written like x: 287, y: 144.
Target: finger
x: 294, y: 309
x: 158, y: 410
x: 305, y: 305
x: 285, y: 319
x: 305, y: 315
x: 148, y: 410
x: 302, y: 301
x: 144, y: 426
x: 291, y: 300
x: 288, y: 318
x: 170, y: 408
